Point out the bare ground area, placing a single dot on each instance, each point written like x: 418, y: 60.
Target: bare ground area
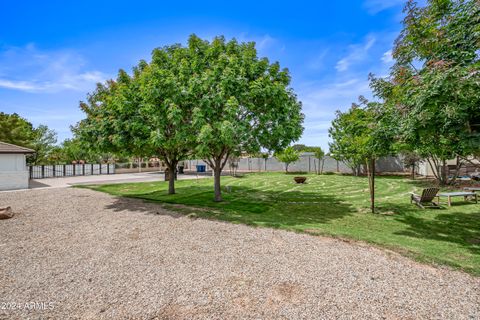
x: 88, y: 255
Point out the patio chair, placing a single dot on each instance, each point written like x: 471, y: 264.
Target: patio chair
x: 426, y: 199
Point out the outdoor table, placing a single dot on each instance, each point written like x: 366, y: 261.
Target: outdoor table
x: 450, y: 195
x: 472, y: 189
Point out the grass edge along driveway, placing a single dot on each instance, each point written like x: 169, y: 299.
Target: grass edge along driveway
x: 332, y: 205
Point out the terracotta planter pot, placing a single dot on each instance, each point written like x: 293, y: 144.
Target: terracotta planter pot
x: 300, y: 179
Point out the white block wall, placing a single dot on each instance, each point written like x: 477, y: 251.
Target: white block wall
x: 13, y: 172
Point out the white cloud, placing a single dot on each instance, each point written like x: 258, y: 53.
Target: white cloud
x: 358, y: 52
x: 31, y: 70
x: 318, y: 62
x: 375, y: 6
x: 265, y: 42
x: 18, y: 85
x: 387, y: 57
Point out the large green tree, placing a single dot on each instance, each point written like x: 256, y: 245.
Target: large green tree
x: 149, y: 112
x: 15, y: 130
x: 434, y: 86
x: 361, y: 135
x: 243, y: 103
x: 211, y: 98
x: 43, y: 142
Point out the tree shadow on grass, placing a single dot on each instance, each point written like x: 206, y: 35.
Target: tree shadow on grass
x: 447, y: 224
x: 245, y: 205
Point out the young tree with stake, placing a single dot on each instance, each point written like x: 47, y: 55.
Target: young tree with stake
x: 363, y: 134
x: 287, y: 156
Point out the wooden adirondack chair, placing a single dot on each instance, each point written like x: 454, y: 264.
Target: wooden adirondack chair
x: 426, y: 199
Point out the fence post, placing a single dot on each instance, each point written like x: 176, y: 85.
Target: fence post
x: 30, y: 168
x: 64, y: 171
x: 108, y: 168
x: 83, y: 169
x: 54, y: 173
x: 91, y: 169
x: 100, y: 168
x: 74, y: 165
x: 43, y: 171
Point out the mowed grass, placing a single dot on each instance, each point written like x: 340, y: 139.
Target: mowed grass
x: 332, y: 205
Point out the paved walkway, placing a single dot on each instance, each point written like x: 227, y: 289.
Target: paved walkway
x: 64, y: 182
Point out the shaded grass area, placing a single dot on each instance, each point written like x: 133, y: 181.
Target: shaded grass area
x: 331, y: 205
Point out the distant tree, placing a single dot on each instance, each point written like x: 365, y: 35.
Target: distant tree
x: 16, y: 130
x: 233, y: 162
x: 411, y: 160
x: 242, y: 103
x: 265, y: 156
x: 43, y: 142
x: 320, y: 155
x: 299, y: 147
x: 71, y: 150
x: 347, y: 145
x: 361, y: 135
x: 288, y: 156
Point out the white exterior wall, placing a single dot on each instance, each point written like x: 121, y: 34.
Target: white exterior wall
x: 13, y: 172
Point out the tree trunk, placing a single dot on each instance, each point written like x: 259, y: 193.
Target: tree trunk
x: 371, y: 183
x: 217, y: 172
x: 218, y: 163
x: 458, y: 166
x: 413, y: 171
x: 434, y: 167
x: 444, y: 172
x: 323, y: 163
x: 171, y: 178
x: 286, y: 167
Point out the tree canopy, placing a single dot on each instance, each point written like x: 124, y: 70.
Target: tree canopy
x: 213, y: 99
x: 434, y: 86
x: 244, y: 103
x: 147, y: 113
x: 15, y: 130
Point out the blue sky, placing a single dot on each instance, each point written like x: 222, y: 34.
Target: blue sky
x: 53, y: 52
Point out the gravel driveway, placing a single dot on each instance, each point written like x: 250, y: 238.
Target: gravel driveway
x: 81, y: 254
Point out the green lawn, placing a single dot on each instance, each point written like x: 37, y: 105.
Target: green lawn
x: 332, y: 205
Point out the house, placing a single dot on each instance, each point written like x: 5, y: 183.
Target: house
x: 13, y: 166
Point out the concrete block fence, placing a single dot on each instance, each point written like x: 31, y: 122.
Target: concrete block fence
x: 306, y: 163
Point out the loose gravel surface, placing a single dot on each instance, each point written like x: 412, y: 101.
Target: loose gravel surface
x: 81, y: 254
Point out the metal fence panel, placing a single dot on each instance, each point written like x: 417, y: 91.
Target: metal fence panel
x: 70, y: 170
